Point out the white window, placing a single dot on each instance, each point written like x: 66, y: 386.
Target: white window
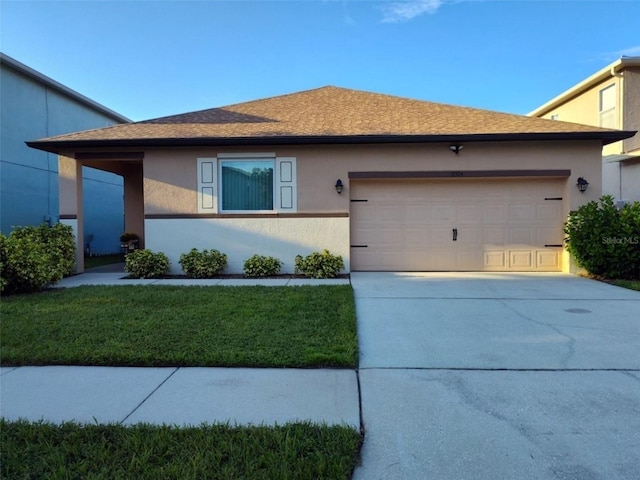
x: 607, y: 107
x: 246, y: 183
x: 555, y: 116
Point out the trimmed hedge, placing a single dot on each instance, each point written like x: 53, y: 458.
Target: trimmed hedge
x: 261, y: 266
x: 605, y: 240
x: 145, y: 263
x: 319, y: 265
x: 32, y: 258
x: 204, y: 264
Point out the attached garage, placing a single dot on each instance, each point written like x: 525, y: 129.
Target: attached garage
x: 457, y: 224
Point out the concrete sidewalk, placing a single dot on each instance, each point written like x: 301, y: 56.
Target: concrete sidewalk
x: 179, y: 396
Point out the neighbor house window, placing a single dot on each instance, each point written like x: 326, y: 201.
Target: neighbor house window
x: 555, y: 116
x: 246, y: 183
x: 607, y: 107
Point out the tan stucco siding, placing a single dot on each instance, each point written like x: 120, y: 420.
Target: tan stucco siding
x: 171, y: 179
x: 170, y: 182
x: 631, y: 108
x: 318, y: 168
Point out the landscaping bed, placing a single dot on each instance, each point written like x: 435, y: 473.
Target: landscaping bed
x: 161, y: 325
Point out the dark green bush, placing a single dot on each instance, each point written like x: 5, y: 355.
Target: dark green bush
x: 605, y: 240
x: 32, y: 258
x: 319, y: 265
x: 204, y: 264
x: 146, y: 264
x: 261, y: 266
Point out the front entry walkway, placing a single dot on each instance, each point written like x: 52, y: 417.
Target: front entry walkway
x: 498, y: 376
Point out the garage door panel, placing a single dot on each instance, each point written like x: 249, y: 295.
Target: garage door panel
x: 494, y: 212
x: 440, y: 237
x: 548, y: 259
x: 550, y: 212
x: 495, y: 260
x: 441, y: 212
x: 417, y: 214
x: 494, y: 236
x: 390, y: 214
x: 466, y: 214
x: 521, y: 213
x: 501, y: 224
x: 522, y: 235
x: 416, y: 238
x: 521, y: 259
x: 548, y: 236
x: 469, y: 235
x: 391, y: 237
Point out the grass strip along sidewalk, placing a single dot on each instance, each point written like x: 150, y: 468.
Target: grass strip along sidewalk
x: 309, y: 327
x: 179, y: 326
x: 296, y: 451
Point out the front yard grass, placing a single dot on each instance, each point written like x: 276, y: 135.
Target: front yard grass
x: 308, y: 326
x: 293, y: 451
x: 101, y: 260
x: 630, y: 284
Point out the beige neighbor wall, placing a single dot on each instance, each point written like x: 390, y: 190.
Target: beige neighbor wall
x: 584, y: 109
x: 631, y: 109
x: 170, y: 178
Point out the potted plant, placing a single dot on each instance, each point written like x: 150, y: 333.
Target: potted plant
x: 129, y: 241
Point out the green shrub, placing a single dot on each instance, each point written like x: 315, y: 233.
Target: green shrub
x: 261, y: 266
x: 605, y: 241
x: 204, y: 264
x: 320, y: 265
x: 32, y: 258
x: 146, y: 264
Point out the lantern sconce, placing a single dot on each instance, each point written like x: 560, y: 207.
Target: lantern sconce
x: 339, y: 186
x: 582, y: 184
x: 455, y: 148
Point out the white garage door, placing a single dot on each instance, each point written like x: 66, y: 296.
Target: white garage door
x: 457, y: 225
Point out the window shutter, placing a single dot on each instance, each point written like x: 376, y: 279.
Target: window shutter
x: 286, y: 192
x: 207, y: 185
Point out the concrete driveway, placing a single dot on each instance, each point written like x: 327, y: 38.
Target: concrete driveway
x: 498, y: 376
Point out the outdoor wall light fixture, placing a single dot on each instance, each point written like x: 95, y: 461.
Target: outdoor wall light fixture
x: 582, y: 184
x: 455, y: 148
x: 339, y: 186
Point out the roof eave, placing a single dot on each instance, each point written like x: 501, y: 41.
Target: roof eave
x: 56, y: 146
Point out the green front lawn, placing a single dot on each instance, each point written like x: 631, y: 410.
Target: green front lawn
x: 630, y: 284
x: 101, y: 260
x: 310, y: 326
x: 294, y: 451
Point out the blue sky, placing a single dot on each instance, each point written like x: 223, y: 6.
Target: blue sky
x: 146, y: 59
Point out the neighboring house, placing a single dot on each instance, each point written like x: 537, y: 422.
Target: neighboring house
x: 426, y: 186
x: 34, y: 106
x: 609, y: 98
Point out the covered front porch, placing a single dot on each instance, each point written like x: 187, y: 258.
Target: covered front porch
x: 126, y: 164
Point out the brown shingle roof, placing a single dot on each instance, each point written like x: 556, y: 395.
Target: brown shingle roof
x: 328, y: 115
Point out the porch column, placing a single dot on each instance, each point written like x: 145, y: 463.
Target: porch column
x: 134, y: 200
x: 70, y: 186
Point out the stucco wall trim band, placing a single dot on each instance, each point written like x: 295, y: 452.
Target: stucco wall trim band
x: 246, y: 215
x: 463, y: 174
